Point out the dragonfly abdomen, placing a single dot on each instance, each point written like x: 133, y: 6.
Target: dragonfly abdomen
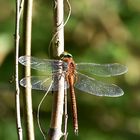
x: 73, y: 106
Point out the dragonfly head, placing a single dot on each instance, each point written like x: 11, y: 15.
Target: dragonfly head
x: 65, y: 55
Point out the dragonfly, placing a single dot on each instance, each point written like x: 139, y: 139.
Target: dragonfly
x: 74, y: 77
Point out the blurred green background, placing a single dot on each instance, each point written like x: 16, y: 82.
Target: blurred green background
x: 100, y: 31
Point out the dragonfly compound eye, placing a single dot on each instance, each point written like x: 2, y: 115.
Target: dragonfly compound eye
x: 65, y: 55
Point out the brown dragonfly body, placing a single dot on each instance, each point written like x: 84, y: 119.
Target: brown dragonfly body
x: 70, y: 78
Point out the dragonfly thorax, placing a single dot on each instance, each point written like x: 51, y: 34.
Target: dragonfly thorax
x: 71, y: 65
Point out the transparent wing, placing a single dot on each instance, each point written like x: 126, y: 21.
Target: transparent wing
x: 91, y: 86
x: 104, y: 70
x: 41, y: 83
x: 46, y: 65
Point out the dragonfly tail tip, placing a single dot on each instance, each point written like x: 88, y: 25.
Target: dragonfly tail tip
x: 76, y: 132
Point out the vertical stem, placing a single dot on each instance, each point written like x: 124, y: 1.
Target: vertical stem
x: 27, y: 43
x: 17, y: 94
x: 65, y: 115
x: 58, y: 47
x: 55, y: 132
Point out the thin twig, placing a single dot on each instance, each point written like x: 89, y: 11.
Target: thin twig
x: 17, y: 94
x: 21, y: 7
x: 65, y: 115
x: 27, y: 28
x: 38, y: 110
